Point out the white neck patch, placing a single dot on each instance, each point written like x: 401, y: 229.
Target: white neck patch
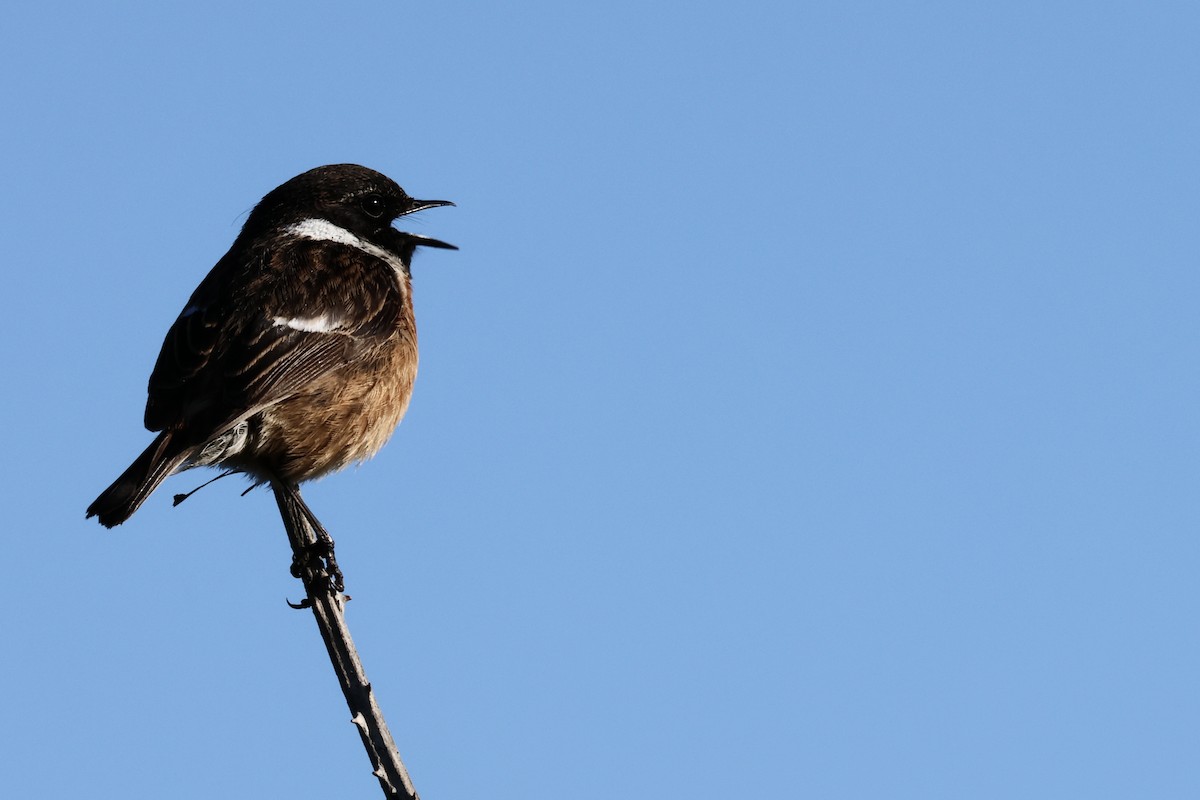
x: 322, y: 230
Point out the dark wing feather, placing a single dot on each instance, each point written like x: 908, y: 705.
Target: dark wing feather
x: 180, y: 379
x: 232, y: 356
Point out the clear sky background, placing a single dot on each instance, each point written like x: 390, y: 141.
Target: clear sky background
x: 809, y: 412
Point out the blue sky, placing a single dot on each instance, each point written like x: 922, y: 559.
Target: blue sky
x: 809, y: 412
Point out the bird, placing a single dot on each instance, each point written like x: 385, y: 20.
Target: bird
x: 296, y: 356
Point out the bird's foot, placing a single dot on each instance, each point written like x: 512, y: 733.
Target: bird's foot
x: 319, y: 558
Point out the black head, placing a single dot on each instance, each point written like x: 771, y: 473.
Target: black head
x: 361, y: 200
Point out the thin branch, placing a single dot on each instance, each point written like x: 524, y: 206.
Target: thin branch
x: 322, y: 583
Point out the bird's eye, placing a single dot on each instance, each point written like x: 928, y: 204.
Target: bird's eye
x: 373, y: 206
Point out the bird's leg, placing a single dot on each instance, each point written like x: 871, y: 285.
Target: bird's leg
x: 321, y: 550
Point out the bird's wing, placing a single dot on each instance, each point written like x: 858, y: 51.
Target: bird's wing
x: 259, y: 329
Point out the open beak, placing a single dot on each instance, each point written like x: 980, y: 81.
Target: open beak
x: 421, y: 205
x: 426, y: 241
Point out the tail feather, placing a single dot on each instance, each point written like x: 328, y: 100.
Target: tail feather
x: 118, y: 502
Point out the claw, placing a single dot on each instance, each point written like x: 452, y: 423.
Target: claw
x: 320, y: 558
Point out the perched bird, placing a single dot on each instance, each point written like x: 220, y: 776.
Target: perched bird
x: 296, y: 355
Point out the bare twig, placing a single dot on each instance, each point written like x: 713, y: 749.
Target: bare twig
x: 322, y: 583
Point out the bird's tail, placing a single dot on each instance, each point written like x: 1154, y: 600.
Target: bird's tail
x: 118, y: 502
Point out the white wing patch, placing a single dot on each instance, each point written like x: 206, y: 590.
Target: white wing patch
x: 322, y: 324
x: 322, y: 230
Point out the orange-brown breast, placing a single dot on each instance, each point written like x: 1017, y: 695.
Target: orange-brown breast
x: 344, y: 416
